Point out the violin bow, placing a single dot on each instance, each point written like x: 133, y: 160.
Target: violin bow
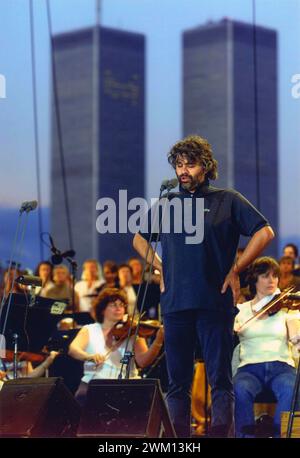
x: 113, y: 348
x: 267, y: 307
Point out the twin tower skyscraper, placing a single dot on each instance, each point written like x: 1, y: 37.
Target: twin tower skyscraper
x: 229, y: 84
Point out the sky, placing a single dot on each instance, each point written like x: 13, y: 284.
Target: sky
x: 162, y: 22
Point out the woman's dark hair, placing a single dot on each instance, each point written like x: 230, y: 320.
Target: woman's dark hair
x: 48, y: 263
x: 126, y: 266
x: 111, y: 265
x: 196, y: 150
x: 261, y: 266
x: 294, y: 247
x: 105, y: 297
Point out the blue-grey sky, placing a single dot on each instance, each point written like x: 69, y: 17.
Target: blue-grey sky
x: 162, y: 21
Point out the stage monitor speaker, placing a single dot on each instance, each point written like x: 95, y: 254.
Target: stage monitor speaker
x: 41, y: 407
x: 284, y: 424
x: 125, y: 408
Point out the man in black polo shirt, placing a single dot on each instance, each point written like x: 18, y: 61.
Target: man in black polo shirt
x: 200, y: 281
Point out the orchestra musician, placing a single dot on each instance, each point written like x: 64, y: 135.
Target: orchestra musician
x: 265, y: 351
x: 101, y: 350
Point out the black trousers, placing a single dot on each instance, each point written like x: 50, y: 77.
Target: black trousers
x: 215, y: 333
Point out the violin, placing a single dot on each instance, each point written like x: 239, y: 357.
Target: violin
x: 145, y: 328
x: 286, y: 299
x: 25, y: 356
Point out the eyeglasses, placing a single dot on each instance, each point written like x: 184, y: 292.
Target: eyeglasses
x: 116, y: 304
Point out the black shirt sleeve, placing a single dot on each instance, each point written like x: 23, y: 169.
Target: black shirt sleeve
x: 245, y: 216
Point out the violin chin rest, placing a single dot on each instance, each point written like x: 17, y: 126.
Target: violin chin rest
x: 119, y: 325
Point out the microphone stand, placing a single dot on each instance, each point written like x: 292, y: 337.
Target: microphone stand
x: 18, y: 249
x: 17, y: 246
x: 153, y: 366
x: 74, y: 267
x: 293, y: 414
x: 15, y: 363
x: 129, y: 354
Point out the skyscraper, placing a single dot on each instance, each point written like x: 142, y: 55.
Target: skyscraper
x: 230, y: 98
x: 103, y: 159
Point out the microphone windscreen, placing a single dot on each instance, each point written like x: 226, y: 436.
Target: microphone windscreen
x: 56, y: 259
x: 68, y: 254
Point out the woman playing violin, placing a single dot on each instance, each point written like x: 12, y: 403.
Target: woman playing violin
x: 265, y: 357
x: 96, y: 345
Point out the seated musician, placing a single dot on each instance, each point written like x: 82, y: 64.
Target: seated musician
x: 90, y: 281
x: 25, y: 367
x: 265, y: 356
x: 100, y: 350
x: 62, y: 289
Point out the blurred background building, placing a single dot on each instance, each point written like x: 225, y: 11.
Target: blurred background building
x: 230, y: 97
x: 97, y: 162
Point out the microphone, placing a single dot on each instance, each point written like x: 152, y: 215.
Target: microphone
x: 29, y: 280
x: 58, y: 256
x: 169, y: 184
x: 28, y: 206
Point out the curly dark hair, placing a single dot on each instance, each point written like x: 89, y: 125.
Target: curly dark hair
x: 106, y: 296
x: 196, y: 150
x: 261, y: 266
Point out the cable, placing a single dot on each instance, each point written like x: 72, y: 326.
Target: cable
x: 35, y: 120
x: 59, y: 130
x: 256, y: 124
x: 95, y: 118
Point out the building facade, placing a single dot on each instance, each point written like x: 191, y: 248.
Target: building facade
x: 230, y: 98
x: 99, y: 158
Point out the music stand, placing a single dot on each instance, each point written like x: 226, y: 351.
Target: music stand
x: 33, y: 324
x: 60, y: 340
x: 81, y: 318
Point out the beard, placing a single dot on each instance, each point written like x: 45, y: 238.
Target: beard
x: 191, y: 183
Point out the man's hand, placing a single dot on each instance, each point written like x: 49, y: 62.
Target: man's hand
x: 232, y: 279
x: 146, y: 252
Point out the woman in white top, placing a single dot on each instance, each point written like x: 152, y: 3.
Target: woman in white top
x: 265, y: 358
x: 91, y: 281
x: 100, y: 352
